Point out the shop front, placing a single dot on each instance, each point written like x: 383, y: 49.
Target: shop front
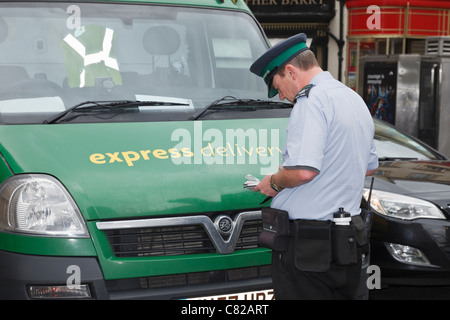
x: 281, y: 19
x: 391, y: 27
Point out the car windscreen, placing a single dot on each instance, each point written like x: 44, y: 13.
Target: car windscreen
x: 54, y: 56
x: 392, y: 144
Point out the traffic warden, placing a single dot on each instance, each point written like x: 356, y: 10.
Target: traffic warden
x: 328, y: 152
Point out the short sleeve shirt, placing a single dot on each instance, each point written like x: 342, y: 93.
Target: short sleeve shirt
x: 330, y: 131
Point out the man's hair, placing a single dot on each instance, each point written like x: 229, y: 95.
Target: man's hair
x: 305, y: 60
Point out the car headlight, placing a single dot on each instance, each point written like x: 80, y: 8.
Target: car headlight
x: 39, y: 204
x: 402, y: 207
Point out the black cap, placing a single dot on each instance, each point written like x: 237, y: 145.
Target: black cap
x: 276, y: 57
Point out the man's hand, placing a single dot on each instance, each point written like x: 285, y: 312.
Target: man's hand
x: 285, y: 178
x: 265, y: 188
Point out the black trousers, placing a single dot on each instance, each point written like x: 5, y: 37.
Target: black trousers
x: 338, y: 283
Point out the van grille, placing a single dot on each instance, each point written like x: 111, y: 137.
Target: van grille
x: 190, y: 279
x: 168, y: 241
x: 182, y: 239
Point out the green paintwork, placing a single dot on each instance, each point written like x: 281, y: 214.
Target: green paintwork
x: 90, y: 160
x: 117, y: 189
x: 120, y: 190
x: 46, y: 246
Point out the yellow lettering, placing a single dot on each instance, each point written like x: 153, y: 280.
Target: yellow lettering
x: 261, y: 151
x: 249, y: 152
x: 160, y: 154
x: 270, y: 149
x: 174, y: 153
x: 114, y: 157
x: 238, y: 150
x: 231, y: 149
x: 222, y: 151
x: 145, y: 153
x: 130, y: 157
x: 187, y: 152
x: 97, y: 158
x: 211, y: 153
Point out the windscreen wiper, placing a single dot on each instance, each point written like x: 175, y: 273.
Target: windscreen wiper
x: 109, y: 105
x: 397, y: 159
x: 247, y: 104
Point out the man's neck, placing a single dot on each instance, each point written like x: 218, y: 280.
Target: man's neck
x: 310, y: 74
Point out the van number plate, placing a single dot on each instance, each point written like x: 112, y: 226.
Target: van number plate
x: 250, y: 295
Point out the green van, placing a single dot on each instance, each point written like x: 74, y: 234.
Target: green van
x: 127, y: 130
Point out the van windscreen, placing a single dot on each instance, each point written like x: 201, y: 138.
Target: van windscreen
x: 54, y: 56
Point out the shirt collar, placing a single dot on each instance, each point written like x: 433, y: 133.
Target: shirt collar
x: 325, y: 75
x: 304, y: 92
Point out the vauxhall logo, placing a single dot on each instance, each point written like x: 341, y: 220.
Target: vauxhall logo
x: 224, y: 225
x: 224, y: 232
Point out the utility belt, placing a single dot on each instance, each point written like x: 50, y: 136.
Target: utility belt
x: 317, y: 243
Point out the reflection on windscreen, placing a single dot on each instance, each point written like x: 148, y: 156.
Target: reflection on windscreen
x: 392, y: 144
x: 56, y: 55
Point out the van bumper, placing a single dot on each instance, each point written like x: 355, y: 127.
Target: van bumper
x: 21, y: 273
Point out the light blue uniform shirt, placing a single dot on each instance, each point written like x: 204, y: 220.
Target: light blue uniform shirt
x: 330, y: 131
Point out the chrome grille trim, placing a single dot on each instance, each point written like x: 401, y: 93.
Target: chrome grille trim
x: 222, y: 246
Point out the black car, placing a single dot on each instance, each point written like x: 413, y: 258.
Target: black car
x: 410, y: 237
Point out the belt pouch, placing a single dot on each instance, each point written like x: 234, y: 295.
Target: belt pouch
x: 275, y: 234
x: 313, y: 245
x: 363, y: 225
x: 343, y: 239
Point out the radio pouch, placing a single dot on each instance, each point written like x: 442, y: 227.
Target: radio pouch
x: 313, y: 245
x: 275, y: 232
x: 363, y: 225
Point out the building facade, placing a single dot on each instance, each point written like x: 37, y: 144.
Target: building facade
x: 377, y: 27
x: 342, y: 31
x: 281, y: 19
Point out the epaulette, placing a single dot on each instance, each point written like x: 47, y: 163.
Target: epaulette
x: 303, y: 92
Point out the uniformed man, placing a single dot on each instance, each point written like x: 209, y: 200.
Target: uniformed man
x: 328, y: 152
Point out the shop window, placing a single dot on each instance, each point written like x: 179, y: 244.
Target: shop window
x: 416, y: 46
x: 396, y: 46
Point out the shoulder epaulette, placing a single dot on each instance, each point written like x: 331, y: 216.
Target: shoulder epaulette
x: 303, y: 92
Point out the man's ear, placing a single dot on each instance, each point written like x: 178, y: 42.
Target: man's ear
x: 291, y: 71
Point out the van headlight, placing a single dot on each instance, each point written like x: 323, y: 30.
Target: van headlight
x: 402, y: 207
x: 39, y: 204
